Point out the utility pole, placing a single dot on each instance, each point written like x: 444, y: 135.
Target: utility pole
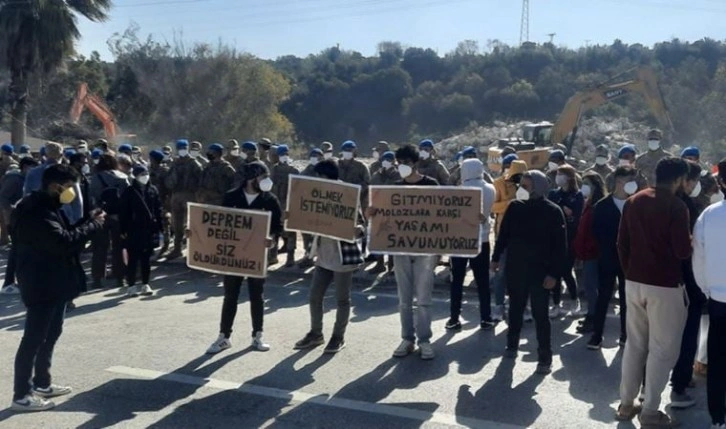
x: 552, y: 37
x: 524, y: 26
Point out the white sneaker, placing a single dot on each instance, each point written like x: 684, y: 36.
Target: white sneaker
x: 146, y: 290
x: 11, y: 289
x: 258, y: 343
x: 220, y: 344
x: 52, y: 391
x: 528, y: 315
x: 578, y: 311
x: 427, y: 351
x: 132, y: 291
x: 498, y: 313
x: 556, y: 311
x: 404, y: 349
x: 32, y: 403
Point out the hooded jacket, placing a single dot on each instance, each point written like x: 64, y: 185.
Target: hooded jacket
x: 708, y: 250
x: 472, y: 175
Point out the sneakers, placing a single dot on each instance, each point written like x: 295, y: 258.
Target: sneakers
x: 31, y: 403
x: 543, y: 368
x: 146, y: 290
x: 258, y: 344
x: 657, y: 420
x: 335, y: 345
x: 594, y: 344
x: 132, y: 291
x: 498, y: 313
x: 577, y: 311
x: 311, y: 340
x: 427, y: 351
x: 11, y: 289
x: 627, y: 412
x: 453, y: 325
x: 222, y: 343
x: 556, y: 311
x: 404, y: 349
x: 52, y: 391
x: 527, y: 315
x: 487, y: 324
x: 585, y: 327
x: 681, y: 400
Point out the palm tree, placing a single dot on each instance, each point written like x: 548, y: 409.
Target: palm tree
x: 36, y: 36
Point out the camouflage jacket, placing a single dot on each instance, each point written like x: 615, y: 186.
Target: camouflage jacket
x: 385, y: 177
x: 217, y: 179
x: 355, y: 172
x: 646, y: 163
x: 280, y: 174
x: 235, y: 161
x: 374, y: 167
x: 184, y: 176
x: 435, y: 169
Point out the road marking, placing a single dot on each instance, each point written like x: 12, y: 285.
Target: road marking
x: 302, y: 397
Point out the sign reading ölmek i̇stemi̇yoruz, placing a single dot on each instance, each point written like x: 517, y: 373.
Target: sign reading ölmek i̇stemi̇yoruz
x: 425, y: 220
x: 227, y: 241
x: 322, y: 207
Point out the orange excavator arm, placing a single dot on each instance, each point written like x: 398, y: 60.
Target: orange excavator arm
x: 96, y: 106
x: 645, y: 84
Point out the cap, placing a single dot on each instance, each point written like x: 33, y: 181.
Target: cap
x: 249, y: 146
x: 427, y: 144
x: 139, y: 169
x: 7, y: 148
x: 182, y: 144
x: 68, y: 152
x: 602, y: 150
x: 388, y: 156
x: 628, y: 149
x: 655, y: 134
x: 265, y: 143
x: 326, y: 146
x: 469, y: 150
x: 507, y: 160
x: 255, y: 169
x: 166, y: 149
x: 156, y: 155
x: 348, y: 145
x: 691, y: 151
x: 81, y: 143
x: 232, y: 144
x: 128, y: 148
x: 283, y: 150
x: 102, y: 142
x: 196, y: 146
x: 316, y: 152
x: 382, y: 145
x: 557, y: 155
x: 216, y: 147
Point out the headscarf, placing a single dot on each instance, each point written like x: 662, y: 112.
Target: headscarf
x: 540, y: 184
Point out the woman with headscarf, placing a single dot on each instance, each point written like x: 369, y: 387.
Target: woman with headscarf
x: 534, y: 237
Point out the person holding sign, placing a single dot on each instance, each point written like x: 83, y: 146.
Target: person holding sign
x: 534, y: 236
x: 414, y: 274
x: 336, y: 262
x: 472, y: 175
x: 253, y: 194
x: 387, y: 174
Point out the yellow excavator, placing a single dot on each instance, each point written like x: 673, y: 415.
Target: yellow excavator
x: 537, y: 139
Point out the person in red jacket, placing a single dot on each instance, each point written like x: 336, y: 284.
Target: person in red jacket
x: 593, y: 189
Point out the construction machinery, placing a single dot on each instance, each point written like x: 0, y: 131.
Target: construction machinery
x: 537, y: 139
x: 87, y: 100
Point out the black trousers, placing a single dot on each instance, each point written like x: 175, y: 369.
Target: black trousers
x: 480, y: 268
x: 519, y: 292
x: 606, y: 282
x: 10, y: 268
x: 683, y: 371
x: 109, y: 236
x: 716, y: 377
x: 138, y: 259
x: 43, y: 327
x: 569, y: 279
x: 232, y: 286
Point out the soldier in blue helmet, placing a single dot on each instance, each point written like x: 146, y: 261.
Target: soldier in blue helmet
x: 353, y: 171
x: 217, y: 177
x: 158, y: 172
x: 429, y: 165
x: 183, y: 181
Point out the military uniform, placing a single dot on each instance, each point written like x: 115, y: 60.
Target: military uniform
x: 434, y: 168
x: 183, y: 181
x: 647, y: 162
x: 455, y: 175
x: 280, y: 180
x: 309, y: 171
x: 355, y: 172
x: 235, y: 161
x: 217, y: 179
x: 157, y: 177
x: 603, y: 170
x: 388, y: 176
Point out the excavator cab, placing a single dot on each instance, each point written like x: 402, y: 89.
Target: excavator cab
x: 539, y: 134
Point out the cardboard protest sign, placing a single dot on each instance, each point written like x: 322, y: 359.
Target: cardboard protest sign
x: 425, y: 220
x: 322, y: 207
x: 227, y: 241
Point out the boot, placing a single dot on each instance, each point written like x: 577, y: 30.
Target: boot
x: 272, y: 257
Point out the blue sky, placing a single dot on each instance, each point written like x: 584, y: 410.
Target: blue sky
x: 272, y: 28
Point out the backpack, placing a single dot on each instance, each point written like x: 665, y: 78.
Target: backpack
x: 110, y: 197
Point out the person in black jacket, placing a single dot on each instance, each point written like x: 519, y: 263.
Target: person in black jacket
x: 140, y: 218
x: 605, y: 226
x: 253, y: 194
x: 534, y: 237
x: 50, y: 275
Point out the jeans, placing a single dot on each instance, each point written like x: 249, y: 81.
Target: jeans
x: 500, y: 281
x: 716, y: 377
x: 590, y: 278
x: 43, y: 327
x: 606, y: 281
x: 232, y: 286
x: 683, y: 371
x: 415, y: 278
x: 142, y: 259
x: 538, y: 296
x: 480, y: 268
x: 10, y: 268
x: 569, y: 279
x: 109, y: 235
x: 343, y: 283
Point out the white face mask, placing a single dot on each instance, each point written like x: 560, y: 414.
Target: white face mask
x: 167, y: 157
x: 376, y: 155
x: 696, y: 190
x: 243, y: 155
x: 717, y: 197
x: 386, y: 164
x: 313, y: 160
x: 561, y: 180
x: 601, y: 160
x: 522, y: 194
x: 266, y: 184
x: 624, y: 163
x: 193, y: 154
x: 586, y: 190
x: 96, y: 161
x: 284, y: 159
x: 183, y: 153
x: 143, y: 179
x: 630, y: 188
x: 552, y: 166
x: 404, y: 170
x: 82, y: 150
x: 86, y: 169
x: 327, y: 155
x: 234, y: 152
x: 347, y: 155
x: 653, y: 144
x: 424, y: 154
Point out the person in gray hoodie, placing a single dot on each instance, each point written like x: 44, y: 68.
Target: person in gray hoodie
x: 472, y: 175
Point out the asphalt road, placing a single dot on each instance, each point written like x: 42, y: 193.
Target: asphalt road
x: 140, y: 363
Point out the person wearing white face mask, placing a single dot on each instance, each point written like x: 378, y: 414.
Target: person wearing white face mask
x: 280, y: 177
x: 647, y: 162
x: 387, y: 174
x: 253, y: 194
x: 182, y: 181
x: 195, y: 152
x: 233, y: 154
x: 601, y: 166
x: 327, y: 149
x: 556, y: 160
x: 141, y: 223
x: 354, y: 171
x: 429, y: 165
x: 626, y: 158
x: 378, y: 151
x: 316, y: 156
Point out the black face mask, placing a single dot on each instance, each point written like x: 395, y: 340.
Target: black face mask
x: 211, y: 157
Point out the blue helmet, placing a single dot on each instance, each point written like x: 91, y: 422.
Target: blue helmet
x: 426, y: 144
x: 625, y: 150
x: 557, y: 155
x: 249, y: 146
x: 316, y: 152
x: 182, y: 144
x: 468, y: 151
x: 216, y: 147
x: 348, y: 146
x: 68, y: 152
x: 691, y: 151
x: 96, y: 153
x: 283, y: 150
x: 156, y: 155
x: 7, y: 148
x: 507, y: 160
x: 388, y: 156
x: 126, y: 148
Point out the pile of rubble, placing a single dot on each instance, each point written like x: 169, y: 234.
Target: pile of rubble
x: 592, y: 132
